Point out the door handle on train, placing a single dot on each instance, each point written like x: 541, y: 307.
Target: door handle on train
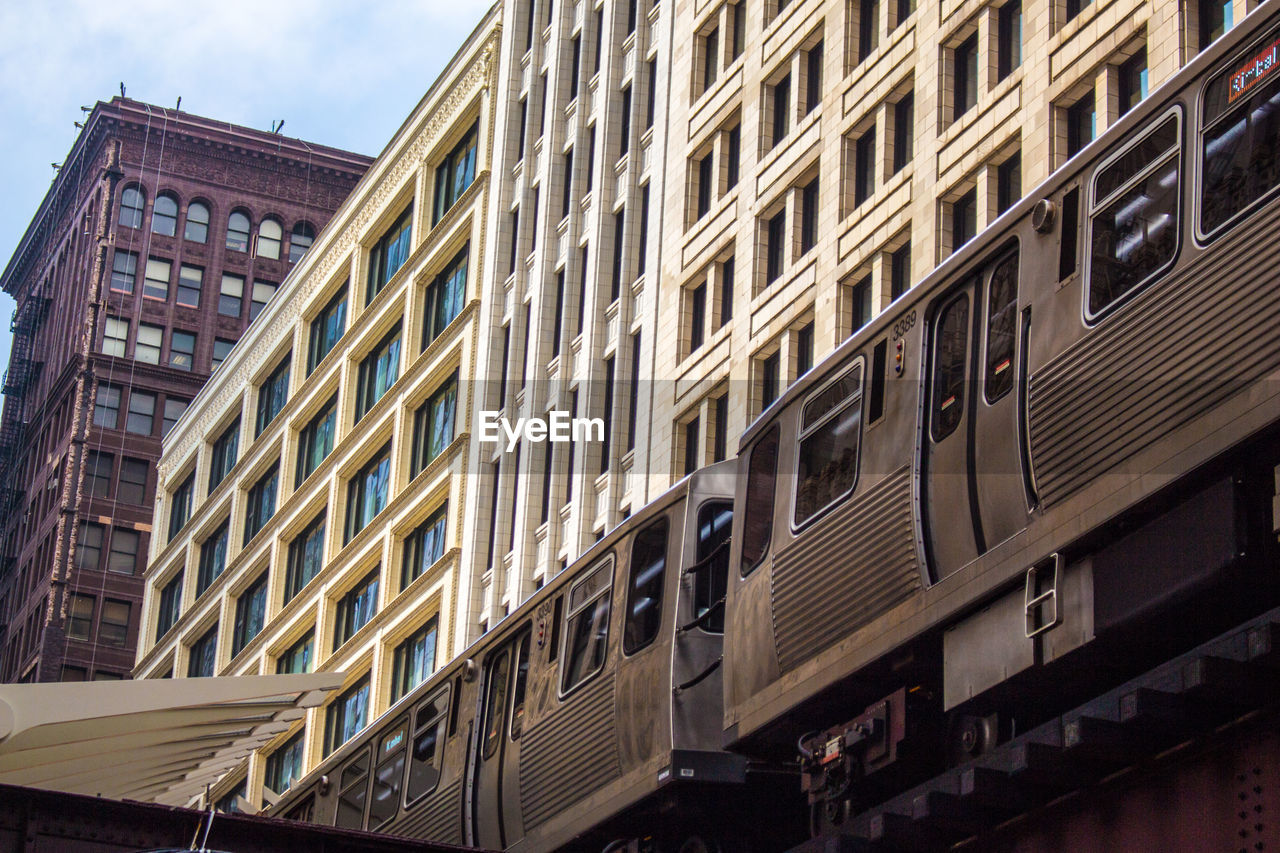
x: 1041, y: 596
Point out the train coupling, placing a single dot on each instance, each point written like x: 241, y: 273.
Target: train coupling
x: 832, y: 759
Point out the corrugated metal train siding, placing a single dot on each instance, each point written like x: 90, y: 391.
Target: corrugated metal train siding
x: 1187, y: 343
x: 570, y: 754
x: 438, y: 818
x: 850, y: 568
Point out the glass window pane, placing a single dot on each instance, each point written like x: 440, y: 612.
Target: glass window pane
x: 587, y: 626
x: 156, y: 283
x: 262, y: 293
x: 715, y: 522
x: 182, y: 348
x: 142, y: 412
x: 106, y: 411
x: 221, y: 349
x: 269, y: 235
x: 132, y: 485
x: 1239, y: 163
x: 89, y: 546
x: 131, y: 203
x: 238, y: 232
x: 300, y: 240
x: 827, y: 462
x: 114, y: 628
x: 1002, y: 332
x: 115, y: 336
x: 173, y: 409
x: 150, y: 340
x: 124, y: 271
x: 189, y: 281
x: 197, y: 230
x: 164, y: 216
x: 644, y: 598
x: 949, y: 360
x: 231, y: 296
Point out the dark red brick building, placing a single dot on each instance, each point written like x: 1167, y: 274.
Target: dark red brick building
x: 160, y: 240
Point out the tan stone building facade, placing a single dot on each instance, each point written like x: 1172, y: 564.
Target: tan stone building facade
x: 824, y: 156
x: 579, y: 135
x: 311, y: 502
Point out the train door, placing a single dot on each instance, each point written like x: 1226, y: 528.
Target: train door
x: 495, y: 792
x: 699, y: 642
x: 973, y: 488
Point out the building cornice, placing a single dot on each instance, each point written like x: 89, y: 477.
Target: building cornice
x: 122, y: 116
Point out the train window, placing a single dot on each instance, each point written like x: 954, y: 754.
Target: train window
x: 388, y: 775
x: 1002, y: 327
x: 875, y: 402
x: 757, y: 519
x: 644, y: 596
x: 827, y: 458
x: 352, y: 791
x: 1134, y: 217
x: 557, y: 610
x: 1070, y: 234
x: 522, y: 683
x: 1240, y: 154
x: 949, y: 359
x: 424, y: 760
x: 587, y: 626
x: 710, y: 582
x: 453, y: 714
x: 496, y: 704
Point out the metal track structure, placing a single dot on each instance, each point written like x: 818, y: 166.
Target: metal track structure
x: 1183, y: 757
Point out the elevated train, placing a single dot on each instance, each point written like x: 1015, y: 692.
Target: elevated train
x: 589, y: 715
x: 1047, y: 466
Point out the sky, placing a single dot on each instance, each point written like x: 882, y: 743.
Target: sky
x: 337, y: 72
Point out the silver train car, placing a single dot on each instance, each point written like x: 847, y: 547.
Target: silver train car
x: 588, y: 718
x: 1050, y: 462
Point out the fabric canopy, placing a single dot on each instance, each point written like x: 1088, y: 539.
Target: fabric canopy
x: 160, y: 740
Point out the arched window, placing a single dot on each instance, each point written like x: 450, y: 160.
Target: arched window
x: 164, y: 217
x: 197, y: 230
x: 300, y: 240
x: 269, y: 235
x: 131, y: 204
x: 238, y: 232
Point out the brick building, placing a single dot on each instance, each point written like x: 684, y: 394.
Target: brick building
x: 162, y: 237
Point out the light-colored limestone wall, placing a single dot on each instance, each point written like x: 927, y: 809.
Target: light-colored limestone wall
x: 913, y: 51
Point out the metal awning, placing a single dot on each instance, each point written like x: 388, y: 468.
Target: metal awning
x: 160, y: 740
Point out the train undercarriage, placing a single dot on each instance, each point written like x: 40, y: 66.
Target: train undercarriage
x: 1158, y: 731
